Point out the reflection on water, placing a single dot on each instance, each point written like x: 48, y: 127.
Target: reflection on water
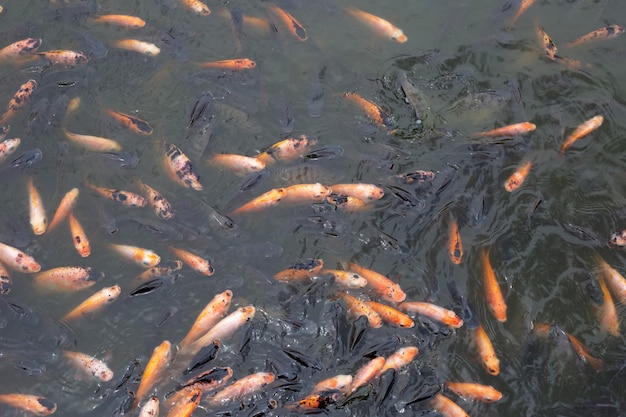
x: 465, y: 68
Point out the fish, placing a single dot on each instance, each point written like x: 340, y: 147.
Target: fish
x: 487, y: 353
x: 433, y: 311
x: 318, y: 400
x: 509, y: 130
x: 247, y: 385
x: 229, y: 64
x: 64, y: 58
x: 4, y: 131
x: 346, y: 279
x: 546, y: 42
x: 367, y: 372
x: 19, y: 48
x: 195, y: 262
x: 605, y: 33
x: 197, y: 7
x: 126, y: 198
x: 7, y: 147
x: 142, y: 257
x: 305, y: 193
x: 236, y: 19
x: 582, y: 130
x: 493, y: 294
x: 186, y: 404
x: 239, y: 164
x: 137, y: 125
x: 300, y: 271
x: 150, y: 408
x: 67, y: 278
x: 162, y: 207
x: 615, y: 281
x: 357, y: 308
x: 40, y: 406
x: 418, y: 177
x: 211, y: 380
x: 618, y: 240
x: 288, y: 20
x: 6, y: 281
x: 125, y: 160
x: 18, y: 260
x: 122, y: 20
x: 399, y: 359
x: 203, y: 357
x: 474, y: 391
x: 93, y: 143
x: 179, y: 168
x: 287, y: 150
x: 89, y: 365
x: 37, y: 212
x: 446, y: 406
x: 390, y: 315
x: 134, y: 45
x: 163, y: 270
x: 66, y: 205
x: 269, y: 199
x: 374, y: 112
x: 79, y: 237
x: 517, y: 178
x: 383, y: 286
x: 94, y: 303
x: 378, y: 24
x: 362, y: 191
x: 607, y: 314
x: 160, y: 359
x: 340, y: 383
x: 583, y: 353
x: 222, y: 329
x: 455, y: 245
x: 524, y: 5
x: 20, y: 99
x: 418, y: 101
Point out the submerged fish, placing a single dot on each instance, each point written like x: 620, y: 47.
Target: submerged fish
x: 378, y: 24
x: 609, y: 32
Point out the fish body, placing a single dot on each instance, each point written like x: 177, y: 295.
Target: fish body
x: 18, y: 260
x: 346, y: 279
x: 34, y: 404
x: 242, y: 387
x: 455, y: 245
x: 605, y: 33
x: 179, y: 168
x: 64, y: 58
x: 269, y: 199
x: 20, y: 99
x: 615, y: 281
x: 135, y: 45
x: 493, y: 293
x: 607, y: 313
x: 287, y: 150
x: 435, y: 312
x: 19, y: 48
x: 93, y: 143
x: 126, y: 198
x: 390, y: 315
x: 399, y: 359
x: 195, y: 262
x: 187, y: 404
x: 357, y: 308
x: 447, y: 407
x: 159, y: 360
x: 67, y: 278
x: 289, y: 21
x: 378, y: 24
x: 318, y: 400
x: 224, y: 328
x: 90, y: 365
x: 130, y: 122
x: 305, y: 193
x: 79, y: 237
x: 300, y: 271
x: 150, y: 408
x: 487, y: 353
x: 374, y: 112
x: 582, y: 130
x: 583, y: 353
x: 510, y: 130
x: 383, y: 286
x: 6, y: 281
x: 123, y: 20
x: 197, y: 7
x: 229, y: 64
x: 142, y: 257
x: 37, y: 212
x: 67, y: 204
x: 347, y: 203
x: 211, y: 380
x: 162, y: 207
x: 239, y: 164
x: 367, y: 372
x: 524, y: 5
x: 7, y: 147
x: 94, y: 303
x: 546, y: 42
x: 338, y: 382
x: 362, y: 191
x: 518, y: 177
x: 474, y: 391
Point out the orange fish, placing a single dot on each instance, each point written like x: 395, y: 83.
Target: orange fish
x: 383, y: 286
x: 94, y: 303
x: 493, y: 293
x: 150, y: 408
x: 186, y: 405
x: 346, y: 279
x: 305, y: 193
x: 548, y: 46
x: 390, y: 315
x: 348, y: 203
x: 300, y: 271
x: 445, y: 406
x: 7, y: 147
x: 90, y: 365
x: 159, y: 360
x: 367, y: 372
x: 180, y: 169
x: 229, y: 64
x: 123, y: 20
x: 162, y: 207
x: 239, y: 164
x: 487, y: 353
x: 433, y: 311
x: 373, y: 110
x: 399, y: 359
x: 366, y: 192
x: 524, y: 5
x: 208, y: 317
x: 223, y: 328
x: 133, y: 123
x: 34, y: 404
x: 193, y: 261
x: 338, y: 382
x: 197, y: 7
x: 615, y: 281
x: 583, y: 353
x: 582, y: 130
x: 288, y: 20
x: 18, y: 260
x: 474, y: 391
x: 79, y: 237
x: 6, y: 282
x: 142, y: 257
x: 455, y: 246
x: 163, y: 270
x: 607, y: 313
x: 67, y: 204
x: 609, y: 32
x: 517, y: 178
x: 19, y: 48
x: 510, y: 130
x: 93, y: 143
x: 64, y: 58
x: 357, y: 308
x: 265, y: 200
x: 37, y: 212
x: 126, y: 198
x: 245, y: 386
x: 287, y: 150
x: 317, y: 401
x: 67, y: 278
x: 20, y: 99
x: 378, y: 24
x: 134, y: 45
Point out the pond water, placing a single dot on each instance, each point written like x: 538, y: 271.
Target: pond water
x: 474, y: 67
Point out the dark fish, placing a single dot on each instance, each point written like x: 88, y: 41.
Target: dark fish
x: 204, y: 356
x: 443, y: 178
x: 285, y: 115
x: 253, y: 180
x: 91, y: 46
x: 148, y: 287
x: 124, y: 159
x: 236, y: 18
x: 304, y: 359
x: 462, y: 307
x: 476, y: 209
x: 25, y: 161
x: 31, y: 367
x: 582, y: 233
x: 325, y: 152
x: 417, y: 100
x: 206, y: 98
x: 407, y: 196
x: 315, y: 101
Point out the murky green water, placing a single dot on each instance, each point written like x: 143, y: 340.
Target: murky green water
x: 455, y: 50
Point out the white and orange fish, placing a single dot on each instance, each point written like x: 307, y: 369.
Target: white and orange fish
x: 546, y: 42
x: 582, y: 130
x: 493, y: 293
x: 346, y: 279
x: 179, y: 168
x: 160, y: 359
x: 186, y: 403
x: 487, y: 353
x: 367, y: 372
x: 40, y: 406
x: 269, y: 199
x: 126, y: 198
x: 607, y: 313
x: 518, y: 177
x: 474, y: 391
x: 37, y: 212
x: 238, y: 64
x: 64, y: 58
x: 224, y: 328
x: 357, y: 308
x: 67, y: 278
x: 383, y: 286
x: 93, y: 143
x: 399, y: 359
x: 79, y: 237
x: 615, y: 281
x: 305, y: 193
x: 435, y: 312
x: 245, y: 386
x: 347, y: 203
x: 89, y: 365
x: 455, y: 245
x: 67, y: 204
x: 193, y: 261
x: 362, y: 191
x: 130, y: 122
x: 208, y: 317
x: 18, y: 260
x: 142, y: 257
x: 609, y: 32
x: 374, y: 112
x: 378, y: 24
x: 150, y: 408
x: 446, y: 407
x: 141, y: 47
x: 510, y: 130
x: 338, y: 382
x: 390, y: 315
x: 197, y: 7
x: 123, y: 20
x: 94, y: 303
x: 287, y: 150
x: 162, y: 207
x: 20, y: 99
x: 300, y: 271
x: 7, y: 147
x: 239, y: 164
x: 18, y: 49
x: 289, y: 21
